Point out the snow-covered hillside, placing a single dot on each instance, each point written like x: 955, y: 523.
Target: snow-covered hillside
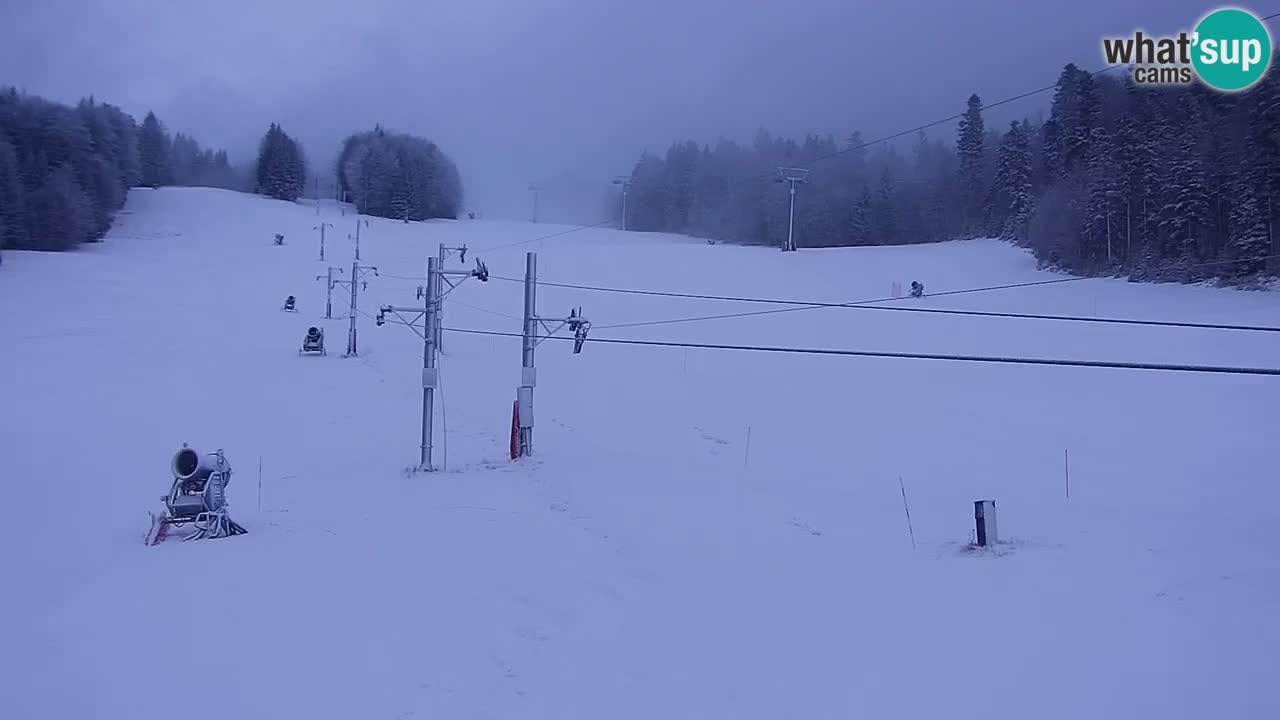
x: 648, y: 562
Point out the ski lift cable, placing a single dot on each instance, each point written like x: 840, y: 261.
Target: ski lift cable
x: 1059, y: 362
x: 876, y: 304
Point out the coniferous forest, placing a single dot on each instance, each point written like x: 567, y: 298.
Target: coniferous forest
x: 65, y: 171
x: 1167, y: 184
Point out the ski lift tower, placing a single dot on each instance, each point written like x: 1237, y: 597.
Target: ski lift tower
x: 793, y: 177
x: 536, y: 189
x: 625, y: 182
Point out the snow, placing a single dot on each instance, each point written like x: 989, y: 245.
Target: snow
x: 646, y: 562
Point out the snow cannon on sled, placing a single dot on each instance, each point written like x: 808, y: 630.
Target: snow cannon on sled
x: 198, y: 497
x: 313, y: 341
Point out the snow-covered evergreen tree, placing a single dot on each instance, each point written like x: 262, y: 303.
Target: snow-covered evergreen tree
x: 860, y: 220
x: 1185, y: 213
x: 1013, y: 183
x: 1135, y: 164
x: 1075, y: 113
x: 153, y: 153
x: 59, y: 212
x: 1249, y: 239
x: 281, y: 168
x: 1262, y: 108
x: 884, y: 214
x: 970, y: 150
x: 1099, y: 234
x: 1052, y: 168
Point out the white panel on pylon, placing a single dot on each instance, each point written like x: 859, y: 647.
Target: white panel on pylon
x: 524, y: 403
x: 430, y: 377
x: 528, y: 377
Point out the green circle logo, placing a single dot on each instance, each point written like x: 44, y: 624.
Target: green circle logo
x: 1232, y: 49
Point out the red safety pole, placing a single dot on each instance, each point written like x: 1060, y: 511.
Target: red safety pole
x: 515, y: 429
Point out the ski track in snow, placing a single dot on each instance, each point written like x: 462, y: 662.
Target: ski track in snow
x: 700, y: 533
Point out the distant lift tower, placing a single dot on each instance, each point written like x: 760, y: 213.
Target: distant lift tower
x: 536, y: 189
x: 793, y: 177
x: 625, y: 182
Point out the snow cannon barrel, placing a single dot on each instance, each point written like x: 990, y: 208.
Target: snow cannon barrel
x: 191, y: 465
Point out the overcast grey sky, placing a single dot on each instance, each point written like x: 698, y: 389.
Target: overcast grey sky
x: 517, y: 91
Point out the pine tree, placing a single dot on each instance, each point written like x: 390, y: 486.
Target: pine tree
x: 128, y: 162
x: 101, y: 185
x: 681, y: 166
x: 884, y: 215
x: 153, y: 151
x: 1248, y: 234
x: 860, y: 220
x: 1262, y: 106
x: 1135, y: 160
x: 1052, y: 168
x: 400, y: 187
x: 269, y: 151
x: 1075, y: 113
x: 970, y: 150
x: 934, y: 178
x: 1089, y: 119
x: 1013, y: 182
x: 1098, y: 233
x: 1185, y: 211
x: 649, y: 203
x: 58, y: 215
x: 281, y: 168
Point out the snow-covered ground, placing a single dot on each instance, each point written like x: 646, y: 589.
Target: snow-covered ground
x: 649, y: 562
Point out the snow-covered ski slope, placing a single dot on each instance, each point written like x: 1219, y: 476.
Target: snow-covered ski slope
x: 648, y: 562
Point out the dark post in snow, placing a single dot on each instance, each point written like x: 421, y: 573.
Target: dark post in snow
x: 984, y: 519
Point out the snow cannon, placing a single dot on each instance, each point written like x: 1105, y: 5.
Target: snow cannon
x: 313, y: 341
x: 197, y: 497
x: 190, y: 466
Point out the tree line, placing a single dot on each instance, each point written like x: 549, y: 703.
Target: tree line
x: 65, y: 171
x: 1170, y: 183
